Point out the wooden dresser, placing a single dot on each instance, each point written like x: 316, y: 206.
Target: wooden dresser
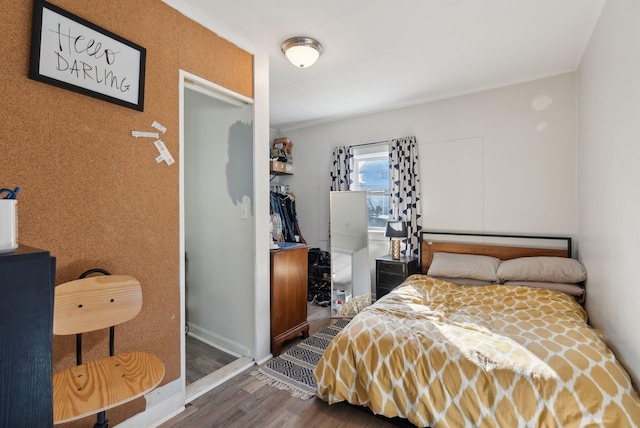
x: 288, y: 295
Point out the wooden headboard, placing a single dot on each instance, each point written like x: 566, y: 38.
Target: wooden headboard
x: 509, y: 246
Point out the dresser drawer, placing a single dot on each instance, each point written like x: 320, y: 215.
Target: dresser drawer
x: 383, y: 290
x: 392, y: 268
x: 389, y: 278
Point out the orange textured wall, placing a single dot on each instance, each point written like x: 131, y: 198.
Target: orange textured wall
x: 92, y: 194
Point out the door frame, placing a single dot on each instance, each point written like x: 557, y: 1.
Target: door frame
x: 260, y: 156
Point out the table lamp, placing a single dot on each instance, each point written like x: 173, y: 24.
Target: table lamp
x: 396, y: 230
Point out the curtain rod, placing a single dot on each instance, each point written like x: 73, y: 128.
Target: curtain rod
x: 369, y: 144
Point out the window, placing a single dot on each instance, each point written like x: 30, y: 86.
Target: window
x: 371, y: 173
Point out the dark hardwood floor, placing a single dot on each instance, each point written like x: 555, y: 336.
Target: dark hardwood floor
x: 246, y: 402
x: 203, y: 359
x: 318, y: 317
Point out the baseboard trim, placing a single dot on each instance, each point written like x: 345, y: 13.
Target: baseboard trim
x: 224, y: 344
x: 163, y: 403
x: 207, y: 383
x: 264, y: 360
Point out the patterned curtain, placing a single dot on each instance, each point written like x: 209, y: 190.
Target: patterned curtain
x: 341, y: 168
x: 405, y: 189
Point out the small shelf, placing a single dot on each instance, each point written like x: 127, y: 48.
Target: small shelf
x: 275, y: 174
x: 278, y: 167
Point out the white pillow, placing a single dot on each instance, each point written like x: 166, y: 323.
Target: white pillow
x: 542, y: 269
x: 452, y: 265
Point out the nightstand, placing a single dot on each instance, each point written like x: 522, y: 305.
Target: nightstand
x: 390, y: 273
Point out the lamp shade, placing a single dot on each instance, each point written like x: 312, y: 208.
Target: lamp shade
x: 396, y: 229
x: 302, y: 51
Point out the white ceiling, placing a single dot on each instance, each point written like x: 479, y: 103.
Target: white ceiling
x: 382, y: 54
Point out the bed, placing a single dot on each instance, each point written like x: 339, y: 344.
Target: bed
x: 442, y: 354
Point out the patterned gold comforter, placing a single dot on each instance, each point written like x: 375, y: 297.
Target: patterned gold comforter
x: 444, y: 355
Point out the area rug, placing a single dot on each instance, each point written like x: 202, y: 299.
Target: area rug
x: 293, y: 370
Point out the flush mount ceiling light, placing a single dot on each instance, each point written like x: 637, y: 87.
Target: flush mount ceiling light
x: 303, y: 52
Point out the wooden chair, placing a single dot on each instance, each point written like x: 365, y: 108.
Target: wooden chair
x: 90, y: 304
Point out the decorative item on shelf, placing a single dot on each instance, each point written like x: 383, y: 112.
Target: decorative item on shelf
x: 8, y: 220
x: 282, y: 147
x: 396, y: 230
x: 281, y: 156
x: 302, y: 51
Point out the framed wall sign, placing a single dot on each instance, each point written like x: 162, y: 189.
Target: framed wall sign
x: 72, y: 53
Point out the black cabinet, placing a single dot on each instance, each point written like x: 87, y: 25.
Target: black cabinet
x: 27, y: 277
x: 390, y: 273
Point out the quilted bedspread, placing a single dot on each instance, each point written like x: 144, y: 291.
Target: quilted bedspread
x: 444, y: 355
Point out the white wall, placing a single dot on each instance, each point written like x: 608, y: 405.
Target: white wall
x: 496, y: 161
x: 220, y: 244
x: 608, y: 177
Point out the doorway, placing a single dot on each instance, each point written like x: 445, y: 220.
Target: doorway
x: 219, y: 237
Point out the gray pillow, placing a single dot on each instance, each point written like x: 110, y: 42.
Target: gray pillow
x: 542, y: 269
x: 570, y: 289
x: 464, y: 281
x: 452, y: 265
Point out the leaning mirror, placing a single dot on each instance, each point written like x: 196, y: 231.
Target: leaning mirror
x: 350, y: 272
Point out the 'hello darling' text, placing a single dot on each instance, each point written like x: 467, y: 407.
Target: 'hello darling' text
x: 72, y: 48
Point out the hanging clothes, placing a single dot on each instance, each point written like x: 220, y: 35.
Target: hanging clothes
x: 284, y: 206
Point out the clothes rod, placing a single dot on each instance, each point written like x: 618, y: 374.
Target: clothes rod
x: 369, y: 144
